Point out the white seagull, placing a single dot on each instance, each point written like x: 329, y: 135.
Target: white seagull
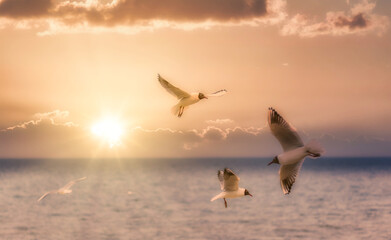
x: 294, y: 150
x: 229, y: 184
x: 185, y: 99
x: 64, y: 190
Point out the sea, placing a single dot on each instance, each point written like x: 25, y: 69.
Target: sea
x: 333, y: 198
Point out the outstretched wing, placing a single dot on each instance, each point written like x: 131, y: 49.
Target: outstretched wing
x: 220, y: 176
x: 231, y: 181
x: 43, y: 196
x: 283, y: 131
x: 218, y: 93
x: 288, y: 174
x: 71, y: 183
x: 179, y: 93
x: 80, y: 179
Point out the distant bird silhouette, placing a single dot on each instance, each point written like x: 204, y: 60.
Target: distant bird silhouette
x: 294, y: 150
x: 64, y: 190
x: 229, y: 184
x: 185, y: 99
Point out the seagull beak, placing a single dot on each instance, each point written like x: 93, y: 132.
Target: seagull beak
x: 205, y: 97
x: 250, y: 194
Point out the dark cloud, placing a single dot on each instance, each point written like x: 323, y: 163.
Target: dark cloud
x: 132, y: 16
x: 24, y: 8
x: 129, y: 12
x: 186, y: 10
x: 357, y: 21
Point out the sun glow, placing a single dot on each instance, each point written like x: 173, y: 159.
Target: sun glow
x: 109, y: 130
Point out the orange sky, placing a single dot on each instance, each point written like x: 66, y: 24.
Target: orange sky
x: 325, y: 67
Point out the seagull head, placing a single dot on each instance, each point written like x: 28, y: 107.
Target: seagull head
x: 246, y: 192
x: 201, y: 96
x: 275, y: 160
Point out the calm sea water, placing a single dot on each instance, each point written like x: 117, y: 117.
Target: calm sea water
x: 332, y: 199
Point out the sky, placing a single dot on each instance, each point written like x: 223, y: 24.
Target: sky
x: 65, y: 66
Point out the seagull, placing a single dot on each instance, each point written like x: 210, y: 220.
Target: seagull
x: 185, y: 99
x: 64, y: 190
x: 294, y: 150
x: 229, y: 184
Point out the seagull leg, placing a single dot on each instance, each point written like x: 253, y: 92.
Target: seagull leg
x: 181, y: 108
x: 225, y: 203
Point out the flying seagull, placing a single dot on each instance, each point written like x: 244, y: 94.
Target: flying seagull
x: 64, y: 190
x: 294, y: 150
x: 229, y: 184
x: 185, y: 99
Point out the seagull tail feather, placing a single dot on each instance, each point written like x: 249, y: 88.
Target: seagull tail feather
x: 220, y: 195
x: 175, y: 109
x: 314, y: 149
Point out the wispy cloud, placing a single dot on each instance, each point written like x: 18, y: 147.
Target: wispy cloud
x: 359, y: 20
x: 50, y: 135
x: 220, y: 121
x: 55, y: 117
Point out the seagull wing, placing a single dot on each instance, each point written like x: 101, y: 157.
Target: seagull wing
x: 288, y: 174
x: 80, y: 179
x: 218, y: 93
x: 43, y: 196
x: 179, y: 93
x: 220, y: 175
x: 283, y: 131
x: 231, y: 181
x: 71, y: 183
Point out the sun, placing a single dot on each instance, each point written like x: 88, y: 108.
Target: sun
x: 108, y: 130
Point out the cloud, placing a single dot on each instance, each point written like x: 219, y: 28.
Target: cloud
x: 24, y: 8
x: 124, y: 12
x: 220, y: 121
x: 359, y: 20
x: 50, y: 135
x: 47, y: 135
x: 131, y: 16
x: 213, y: 134
x: 53, y: 117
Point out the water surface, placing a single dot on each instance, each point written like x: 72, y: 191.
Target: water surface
x: 333, y: 198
